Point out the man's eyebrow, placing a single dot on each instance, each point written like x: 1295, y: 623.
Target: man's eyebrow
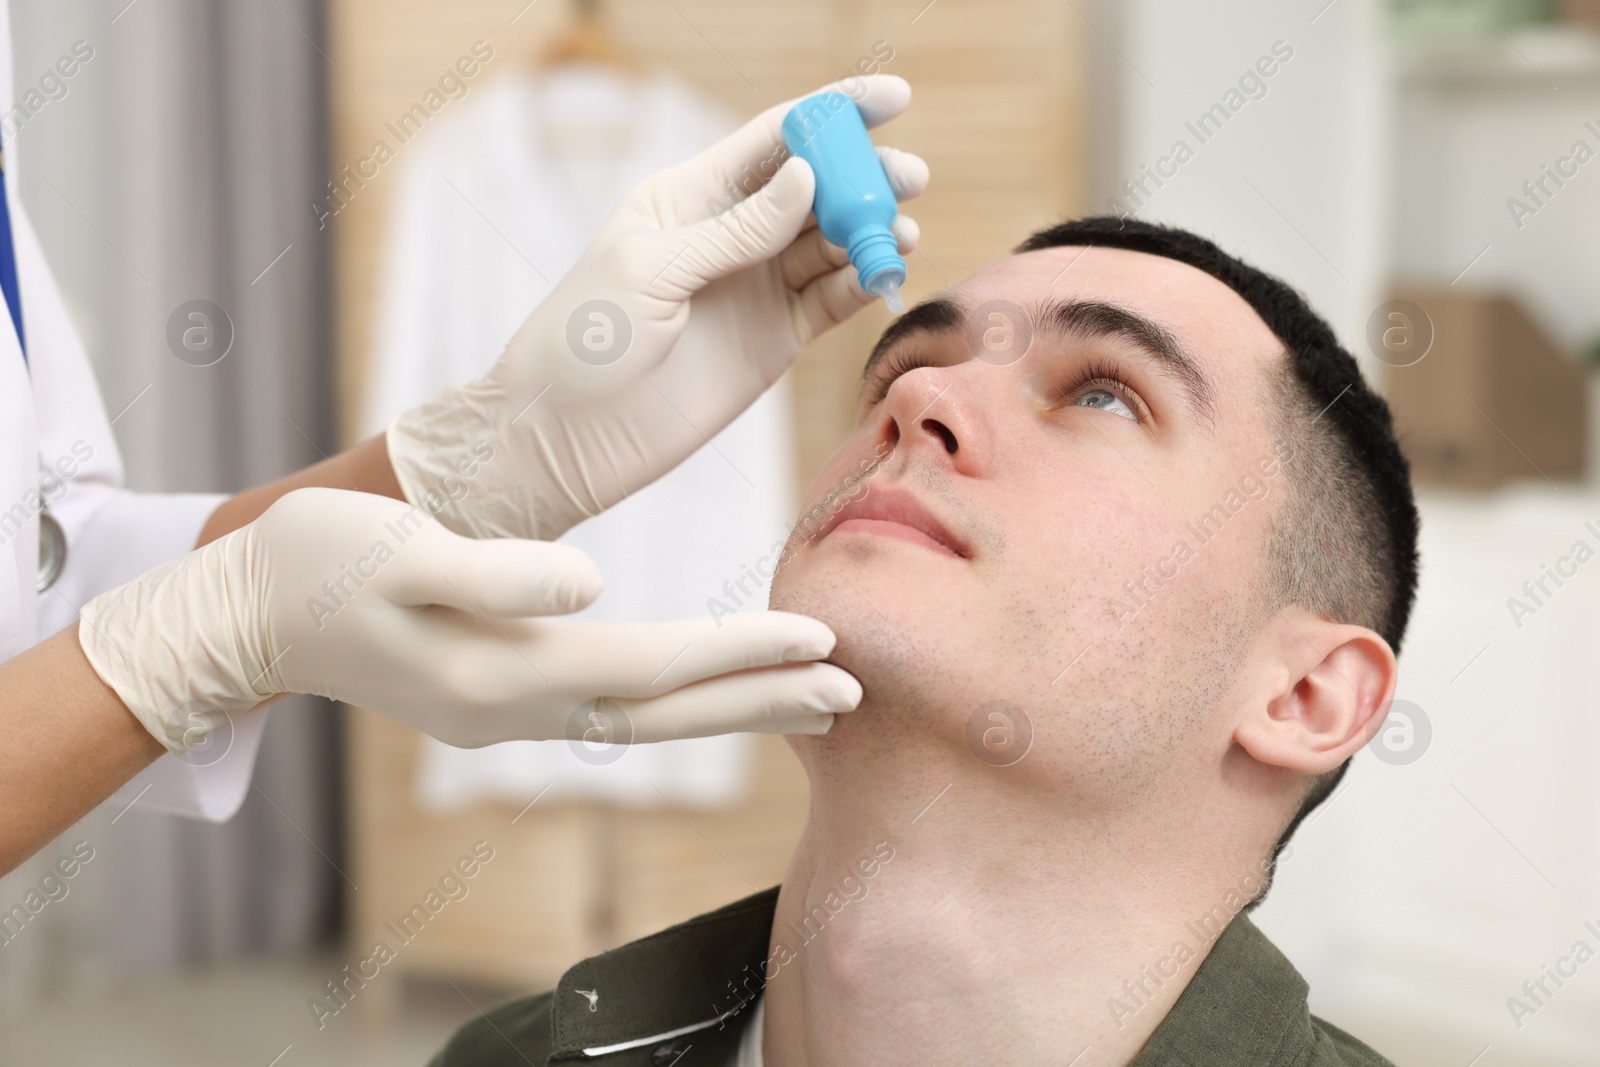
x: 1089, y: 319
x: 936, y: 316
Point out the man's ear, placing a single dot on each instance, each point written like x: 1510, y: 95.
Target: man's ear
x: 1330, y: 683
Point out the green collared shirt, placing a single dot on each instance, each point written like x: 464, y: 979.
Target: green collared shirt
x: 676, y: 999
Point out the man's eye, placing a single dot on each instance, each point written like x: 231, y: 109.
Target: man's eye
x: 1105, y: 400
x: 884, y: 375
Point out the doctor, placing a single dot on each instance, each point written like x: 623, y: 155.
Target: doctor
x: 413, y: 574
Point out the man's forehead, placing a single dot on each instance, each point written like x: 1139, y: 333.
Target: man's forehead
x: 1211, y: 319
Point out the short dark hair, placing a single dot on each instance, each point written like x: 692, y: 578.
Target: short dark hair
x: 1344, y: 544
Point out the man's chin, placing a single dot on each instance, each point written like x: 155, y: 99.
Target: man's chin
x: 874, y: 642
x: 838, y: 596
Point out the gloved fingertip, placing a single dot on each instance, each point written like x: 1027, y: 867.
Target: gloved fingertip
x: 805, y: 638
x: 844, y: 692
x: 907, y: 233
x: 575, y: 579
x: 575, y: 594
x: 907, y: 172
x: 794, y: 187
x: 513, y: 578
x: 755, y: 229
x: 824, y: 689
x: 884, y: 97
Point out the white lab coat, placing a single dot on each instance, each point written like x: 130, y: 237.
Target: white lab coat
x: 53, y: 420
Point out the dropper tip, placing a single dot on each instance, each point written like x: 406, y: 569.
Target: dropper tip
x: 891, y: 296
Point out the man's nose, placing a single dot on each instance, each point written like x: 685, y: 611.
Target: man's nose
x: 937, y: 413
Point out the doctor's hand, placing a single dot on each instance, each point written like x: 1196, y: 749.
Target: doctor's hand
x: 365, y: 599
x: 702, y: 287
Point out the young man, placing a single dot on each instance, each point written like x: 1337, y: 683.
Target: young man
x: 1120, y: 549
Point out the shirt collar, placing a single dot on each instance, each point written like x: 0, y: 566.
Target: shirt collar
x: 1245, y: 1006
x: 691, y: 979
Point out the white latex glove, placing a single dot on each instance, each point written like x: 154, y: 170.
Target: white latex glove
x: 367, y: 600
x: 689, y: 304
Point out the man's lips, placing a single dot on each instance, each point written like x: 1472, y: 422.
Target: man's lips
x: 890, y: 512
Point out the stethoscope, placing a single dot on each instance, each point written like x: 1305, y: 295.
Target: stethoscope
x: 52, y: 539
x: 52, y: 550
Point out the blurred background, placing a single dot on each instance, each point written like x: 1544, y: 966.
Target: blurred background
x: 377, y: 191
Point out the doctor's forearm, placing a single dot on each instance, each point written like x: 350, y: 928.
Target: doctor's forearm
x: 69, y: 743
x: 364, y: 468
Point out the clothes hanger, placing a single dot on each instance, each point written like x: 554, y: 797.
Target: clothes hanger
x: 587, y: 39
x: 572, y: 146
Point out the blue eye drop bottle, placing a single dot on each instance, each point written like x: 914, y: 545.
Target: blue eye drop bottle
x: 854, y: 204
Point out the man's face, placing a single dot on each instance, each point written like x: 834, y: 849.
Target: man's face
x: 1075, y: 529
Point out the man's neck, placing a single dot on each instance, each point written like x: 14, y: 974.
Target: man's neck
x: 940, y: 913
